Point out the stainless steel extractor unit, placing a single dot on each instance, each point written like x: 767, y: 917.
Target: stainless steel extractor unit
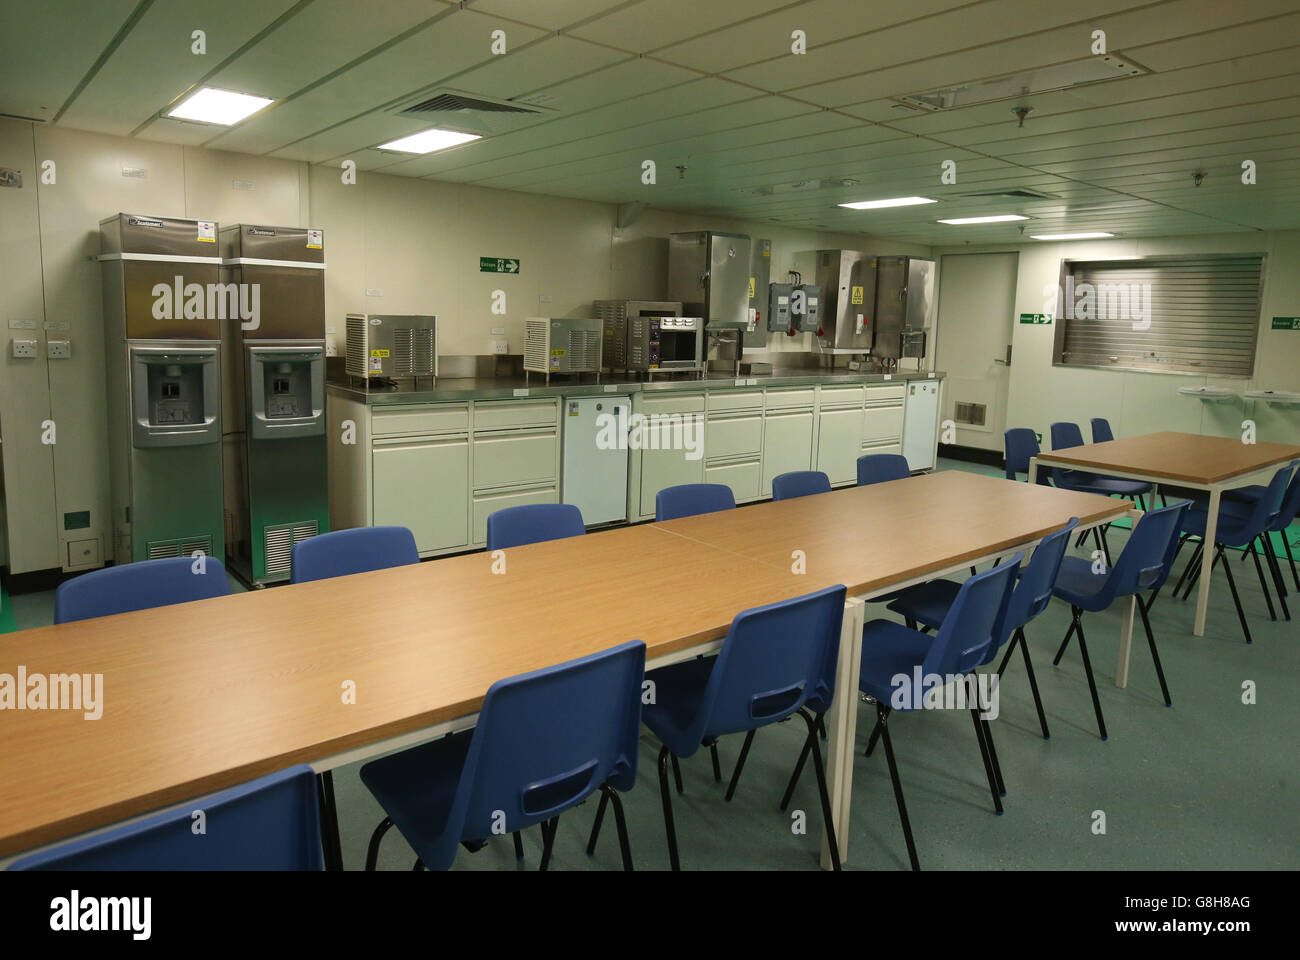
x: 709, y: 273
x: 388, y: 347
x: 273, y: 403
x: 615, y: 316
x: 562, y: 345
x: 162, y: 335
x: 848, y: 282
x: 905, y: 302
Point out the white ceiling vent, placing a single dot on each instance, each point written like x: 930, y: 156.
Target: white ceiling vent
x: 1062, y: 76
x: 458, y: 110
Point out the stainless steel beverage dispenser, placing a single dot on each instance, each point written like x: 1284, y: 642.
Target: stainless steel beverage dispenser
x: 905, y: 302
x: 273, y: 369
x: 161, y: 337
x: 709, y: 273
x: 848, y: 281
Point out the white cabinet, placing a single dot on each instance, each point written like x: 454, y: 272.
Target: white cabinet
x: 787, y: 444
x: 516, y: 457
x: 839, y: 444
x: 673, y: 424
x: 423, y: 484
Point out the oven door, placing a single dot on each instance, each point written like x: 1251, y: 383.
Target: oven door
x: 681, y: 348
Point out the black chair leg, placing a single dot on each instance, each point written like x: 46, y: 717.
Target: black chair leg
x: 898, y: 786
x: 548, y: 841
x: 1259, y: 572
x: 1087, y: 668
x: 1155, y: 657
x: 827, y: 819
x: 1019, y: 638
x: 331, y: 846
x: 984, y: 750
x: 1105, y: 544
x: 372, y: 852
x: 1275, y: 569
x: 595, y: 827
x: 794, y: 776
x: 1196, y: 569
x: 1172, y: 560
x: 993, y: 755
x: 1236, y: 599
x: 1191, y: 562
x: 665, y: 795
x: 717, y: 767
x: 677, y: 774
x: 740, y: 765
x: 1295, y: 573
x: 875, y: 736
x: 620, y: 821
x: 1142, y: 504
x: 519, y: 844
x: 1074, y: 625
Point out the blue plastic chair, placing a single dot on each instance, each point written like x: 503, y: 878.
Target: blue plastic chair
x: 775, y: 660
x: 271, y: 823
x: 341, y: 553
x: 963, y: 642
x: 1238, y: 526
x: 139, y: 586
x: 1066, y: 435
x: 1101, y: 432
x: 881, y: 468
x: 1021, y: 444
x: 1239, y: 500
x: 1143, y: 565
x: 544, y: 742
x: 930, y: 603
x: 692, y: 499
x: 800, y: 483
x: 533, y: 523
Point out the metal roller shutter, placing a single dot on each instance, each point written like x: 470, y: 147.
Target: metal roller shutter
x: 1186, y: 314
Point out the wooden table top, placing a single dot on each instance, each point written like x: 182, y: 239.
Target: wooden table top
x: 1188, y: 457
x: 930, y: 522
x: 205, y: 695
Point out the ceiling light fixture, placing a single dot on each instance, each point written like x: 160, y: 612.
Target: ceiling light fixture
x: 893, y: 202
x: 429, y: 140
x: 1000, y: 218
x: 222, y: 107
x: 1069, y: 236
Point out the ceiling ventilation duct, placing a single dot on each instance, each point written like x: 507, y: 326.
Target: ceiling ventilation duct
x: 471, y: 113
x: 1062, y: 76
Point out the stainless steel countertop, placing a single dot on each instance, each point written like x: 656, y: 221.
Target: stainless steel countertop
x: 472, y: 388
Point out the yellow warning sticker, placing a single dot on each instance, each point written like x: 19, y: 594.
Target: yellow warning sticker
x: 855, y: 294
x: 379, y: 352
x: 751, y: 288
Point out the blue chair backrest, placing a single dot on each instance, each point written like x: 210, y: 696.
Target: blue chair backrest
x: 1101, y: 430
x: 1267, y: 508
x: 138, y: 586
x: 1066, y: 435
x: 692, y: 499
x: 272, y: 823
x: 533, y: 523
x: 1290, y: 506
x: 775, y: 658
x: 1148, y: 555
x: 800, y: 483
x: 882, y: 467
x: 969, y: 630
x: 358, y: 550
x: 545, y: 740
x: 1033, y: 592
x: 1021, y: 445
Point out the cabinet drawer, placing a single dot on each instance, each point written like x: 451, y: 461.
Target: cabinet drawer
x: 418, y: 420
x: 895, y: 447
x: 736, y: 400
x: 785, y: 399
x: 515, y: 458
x: 733, y: 436
x: 743, y: 478
x: 423, y: 485
x: 894, y: 391
x: 689, y: 403
x: 504, y: 414
x: 841, y: 397
x: 487, y: 504
x: 881, y: 423
x: 839, y: 444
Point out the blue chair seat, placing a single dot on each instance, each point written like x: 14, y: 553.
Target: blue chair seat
x: 679, y: 688
x: 926, y: 603
x: 1076, y: 584
x: 888, y: 648
x: 1082, y: 482
x: 1231, y: 530
x: 416, y: 787
x: 1250, y: 494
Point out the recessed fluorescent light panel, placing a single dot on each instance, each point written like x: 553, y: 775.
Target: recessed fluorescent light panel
x: 893, y: 202
x: 429, y: 141
x: 1069, y: 236
x: 1001, y: 218
x: 218, y: 106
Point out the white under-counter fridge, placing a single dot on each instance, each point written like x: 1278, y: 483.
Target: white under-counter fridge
x: 595, y: 456
x: 921, y: 424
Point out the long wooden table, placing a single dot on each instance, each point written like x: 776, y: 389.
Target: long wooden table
x: 1213, y: 464
x: 205, y: 695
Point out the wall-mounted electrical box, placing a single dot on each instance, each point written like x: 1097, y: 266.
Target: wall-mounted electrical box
x: 794, y: 308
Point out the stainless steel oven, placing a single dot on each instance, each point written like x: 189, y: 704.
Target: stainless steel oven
x: 650, y: 337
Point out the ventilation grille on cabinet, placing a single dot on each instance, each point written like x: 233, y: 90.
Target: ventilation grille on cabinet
x: 159, y: 549
x: 584, y: 349
x: 279, y: 541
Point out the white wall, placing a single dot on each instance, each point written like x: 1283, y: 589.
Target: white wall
x: 1137, y: 402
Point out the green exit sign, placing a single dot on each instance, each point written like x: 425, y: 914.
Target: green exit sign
x: 1286, y: 323
x: 1036, y: 318
x: 498, y: 265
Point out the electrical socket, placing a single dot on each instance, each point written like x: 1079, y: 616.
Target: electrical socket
x: 59, y: 349
x: 24, y: 349
x: 500, y: 347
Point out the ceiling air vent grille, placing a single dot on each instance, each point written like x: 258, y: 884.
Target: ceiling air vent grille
x: 455, y: 102
x: 1017, y: 193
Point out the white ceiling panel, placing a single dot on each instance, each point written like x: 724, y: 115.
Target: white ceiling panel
x: 550, y: 14
x: 654, y: 24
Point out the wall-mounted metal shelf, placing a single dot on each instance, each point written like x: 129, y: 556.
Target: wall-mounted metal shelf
x: 1209, y: 394
x: 1275, y: 398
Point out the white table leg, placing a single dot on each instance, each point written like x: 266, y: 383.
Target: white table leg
x: 1207, y: 560
x: 1125, y: 645
x: 1033, y: 470
x: 842, y: 728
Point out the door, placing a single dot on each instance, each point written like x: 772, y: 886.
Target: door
x: 787, y: 445
x: 595, y: 457
x: 423, y: 484
x: 839, y: 442
x: 977, y: 302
